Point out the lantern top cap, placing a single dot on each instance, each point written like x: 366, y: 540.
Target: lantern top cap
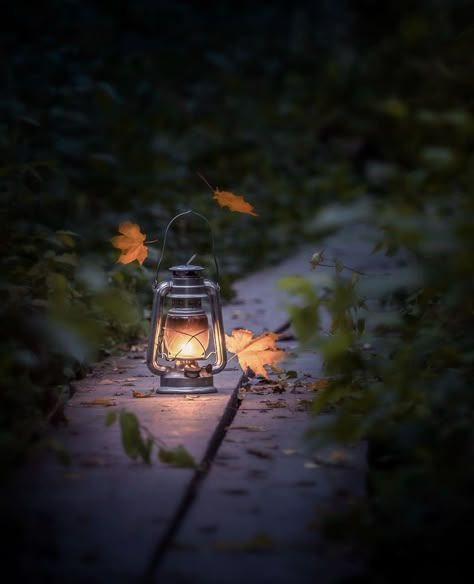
x: 186, y: 268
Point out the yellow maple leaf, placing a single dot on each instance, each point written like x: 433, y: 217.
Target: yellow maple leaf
x: 234, y: 202
x: 130, y: 243
x: 254, y: 352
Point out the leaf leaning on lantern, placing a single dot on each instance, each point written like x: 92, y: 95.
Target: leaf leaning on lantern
x: 228, y: 199
x: 130, y: 243
x: 254, y: 352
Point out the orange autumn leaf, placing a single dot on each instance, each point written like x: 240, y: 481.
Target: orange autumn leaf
x: 228, y: 199
x: 234, y: 202
x: 130, y: 243
x: 254, y: 352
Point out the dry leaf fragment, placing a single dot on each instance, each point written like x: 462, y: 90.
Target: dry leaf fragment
x: 99, y: 401
x: 303, y: 405
x: 140, y: 394
x: 130, y: 243
x: 316, y: 385
x: 234, y: 202
x: 249, y: 428
x: 260, y: 453
x: 271, y: 403
x: 258, y: 543
x: 254, y: 352
x: 310, y: 464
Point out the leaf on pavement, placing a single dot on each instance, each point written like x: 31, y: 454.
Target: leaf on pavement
x: 99, y: 401
x: 130, y: 243
x: 258, y: 543
x: 139, y: 394
x: 249, y: 428
x: 259, y: 453
x: 254, y: 352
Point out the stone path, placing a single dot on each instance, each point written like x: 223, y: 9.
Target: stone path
x: 253, y: 514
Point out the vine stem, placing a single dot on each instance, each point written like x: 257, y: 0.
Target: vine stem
x: 155, y: 439
x: 344, y: 267
x: 151, y: 241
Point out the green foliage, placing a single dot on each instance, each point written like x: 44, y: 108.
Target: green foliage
x: 399, y: 350
x: 133, y: 443
x: 97, y: 129
x: 138, y: 441
x: 178, y: 456
x: 365, y: 108
x: 401, y: 368
x: 304, y: 315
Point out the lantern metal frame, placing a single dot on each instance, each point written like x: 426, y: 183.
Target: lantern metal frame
x: 186, y: 290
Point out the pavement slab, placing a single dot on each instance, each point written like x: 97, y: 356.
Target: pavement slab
x: 252, y: 512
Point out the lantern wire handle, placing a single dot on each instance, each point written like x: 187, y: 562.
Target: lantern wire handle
x: 191, y: 259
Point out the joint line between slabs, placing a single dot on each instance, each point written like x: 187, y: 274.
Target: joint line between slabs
x: 193, y: 487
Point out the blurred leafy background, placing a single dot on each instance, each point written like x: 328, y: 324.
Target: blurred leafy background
x: 107, y: 112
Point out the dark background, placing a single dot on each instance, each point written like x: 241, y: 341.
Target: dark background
x: 109, y: 109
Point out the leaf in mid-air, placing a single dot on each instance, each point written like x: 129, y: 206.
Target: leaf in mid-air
x: 234, y: 202
x: 130, y: 243
x: 254, y: 352
x: 228, y: 199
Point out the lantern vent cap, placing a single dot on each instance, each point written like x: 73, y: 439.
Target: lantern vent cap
x: 186, y: 268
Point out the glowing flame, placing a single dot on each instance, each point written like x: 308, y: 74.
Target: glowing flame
x: 186, y: 337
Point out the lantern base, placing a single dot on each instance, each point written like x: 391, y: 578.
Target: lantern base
x: 177, y: 383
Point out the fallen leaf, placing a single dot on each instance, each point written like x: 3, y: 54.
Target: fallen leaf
x: 302, y: 405
x: 72, y: 476
x: 259, y: 542
x: 99, y: 401
x: 130, y: 243
x: 272, y: 403
x: 234, y: 491
x: 289, y: 451
x: 249, y: 428
x: 311, y: 464
x: 95, y: 462
x: 338, y: 456
x: 316, y: 385
x: 256, y: 352
x: 106, y: 382
x: 140, y: 394
x: 259, y: 453
x: 234, y: 202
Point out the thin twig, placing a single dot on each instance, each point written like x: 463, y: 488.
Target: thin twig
x: 205, y: 180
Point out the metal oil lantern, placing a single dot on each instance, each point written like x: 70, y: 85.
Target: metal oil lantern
x: 187, y: 331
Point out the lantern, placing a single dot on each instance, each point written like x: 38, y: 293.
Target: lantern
x: 186, y: 345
